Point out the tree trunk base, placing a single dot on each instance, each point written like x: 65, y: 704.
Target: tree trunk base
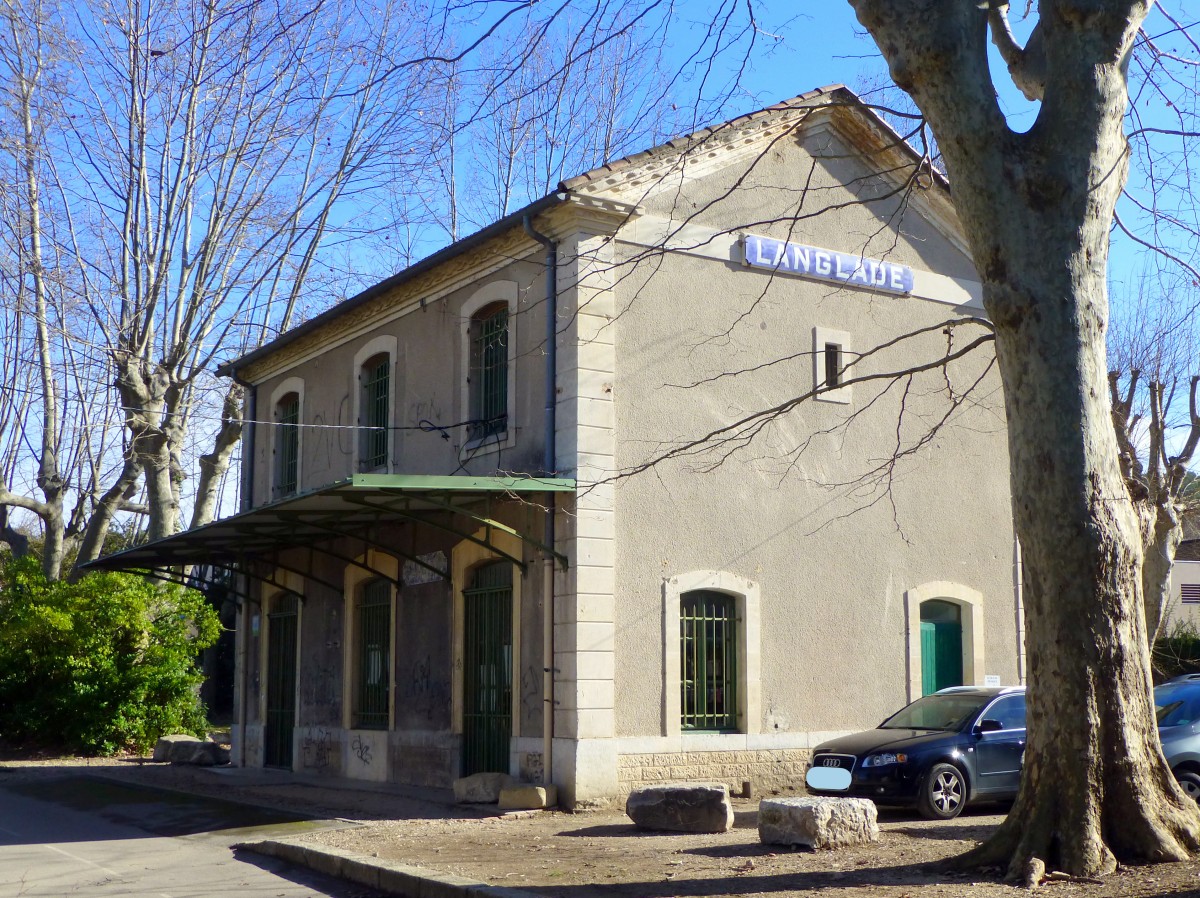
x: 1030, y: 841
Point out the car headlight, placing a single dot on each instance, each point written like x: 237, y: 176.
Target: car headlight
x: 883, y: 760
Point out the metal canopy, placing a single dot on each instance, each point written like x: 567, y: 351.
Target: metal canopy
x: 351, y: 509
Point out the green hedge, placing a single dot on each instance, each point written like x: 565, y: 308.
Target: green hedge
x: 1178, y: 651
x: 98, y: 666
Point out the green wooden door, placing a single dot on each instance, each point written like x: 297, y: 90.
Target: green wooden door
x: 281, y: 681
x: 941, y: 646
x: 487, y: 670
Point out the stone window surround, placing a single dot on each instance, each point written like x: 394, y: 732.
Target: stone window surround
x: 290, y: 385
x: 747, y: 596
x: 384, y: 344
x: 493, y: 292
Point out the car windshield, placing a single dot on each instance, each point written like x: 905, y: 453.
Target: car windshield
x: 1176, y: 706
x: 936, y: 712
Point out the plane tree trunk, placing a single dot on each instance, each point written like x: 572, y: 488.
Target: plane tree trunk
x: 1036, y: 208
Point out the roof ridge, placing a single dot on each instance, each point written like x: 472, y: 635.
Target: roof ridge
x: 686, y: 140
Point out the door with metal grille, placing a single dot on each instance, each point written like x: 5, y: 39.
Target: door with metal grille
x: 487, y: 669
x: 282, y: 623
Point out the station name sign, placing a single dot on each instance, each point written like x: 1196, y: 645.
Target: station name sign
x: 826, y: 265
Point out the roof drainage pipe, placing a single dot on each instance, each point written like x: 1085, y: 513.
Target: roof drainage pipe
x: 242, y: 674
x: 550, y: 467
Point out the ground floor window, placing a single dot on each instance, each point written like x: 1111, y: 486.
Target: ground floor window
x: 708, y: 652
x: 373, y: 630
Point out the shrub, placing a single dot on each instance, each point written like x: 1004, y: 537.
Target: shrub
x: 101, y: 665
x: 1178, y: 651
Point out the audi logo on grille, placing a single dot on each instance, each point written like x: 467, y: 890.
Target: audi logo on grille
x: 830, y: 762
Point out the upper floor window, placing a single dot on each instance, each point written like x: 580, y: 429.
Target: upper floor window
x: 287, y: 444
x: 488, y: 375
x: 375, y: 381
x: 832, y: 355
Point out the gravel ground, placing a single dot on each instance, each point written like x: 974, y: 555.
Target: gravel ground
x: 599, y: 854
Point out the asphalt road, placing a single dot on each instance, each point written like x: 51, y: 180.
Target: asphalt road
x: 86, y: 836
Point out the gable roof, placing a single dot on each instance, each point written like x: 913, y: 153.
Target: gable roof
x: 833, y: 97
x: 859, y: 122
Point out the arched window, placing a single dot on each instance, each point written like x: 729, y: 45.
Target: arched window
x: 488, y: 373
x: 287, y: 445
x: 708, y: 654
x: 374, y: 411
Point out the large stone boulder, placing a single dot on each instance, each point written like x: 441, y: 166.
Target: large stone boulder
x: 185, y: 749
x: 481, y: 788
x: 817, y: 822
x: 682, y: 807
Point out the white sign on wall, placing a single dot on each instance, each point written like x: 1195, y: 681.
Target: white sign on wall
x: 826, y: 265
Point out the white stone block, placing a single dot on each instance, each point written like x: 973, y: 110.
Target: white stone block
x: 817, y: 822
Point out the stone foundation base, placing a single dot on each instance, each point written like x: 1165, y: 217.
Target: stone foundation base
x: 767, y: 770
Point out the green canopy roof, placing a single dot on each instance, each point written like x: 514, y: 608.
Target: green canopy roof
x: 351, y: 509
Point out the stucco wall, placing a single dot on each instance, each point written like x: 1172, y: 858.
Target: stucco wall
x: 812, y: 511
x: 1176, y: 612
x: 429, y: 374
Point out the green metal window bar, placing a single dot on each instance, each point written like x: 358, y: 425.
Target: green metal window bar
x: 375, y: 378
x: 709, y: 662
x: 488, y: 669
x: 489, y: 373
x: 282, y: 621
x: 374, y: 619
x: 287, y: 444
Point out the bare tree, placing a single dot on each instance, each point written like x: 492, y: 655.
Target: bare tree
x: 197, y: 159
x: 1037, y: 208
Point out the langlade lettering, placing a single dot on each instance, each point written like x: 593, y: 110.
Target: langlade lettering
x: 824, y: 264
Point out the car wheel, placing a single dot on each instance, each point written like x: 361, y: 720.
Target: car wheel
x: 1190, y: 781
x: 943, y: 794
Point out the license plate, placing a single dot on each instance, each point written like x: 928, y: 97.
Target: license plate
x: 828, y: 779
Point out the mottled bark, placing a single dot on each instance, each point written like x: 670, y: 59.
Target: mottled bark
x: 111, y: 502
x: 1036, y: 208
x: 213, y: 465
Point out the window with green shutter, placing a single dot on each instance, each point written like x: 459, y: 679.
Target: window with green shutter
x: 373, y: 632
x: 708, y: 661
x: 287, y: 444
x: 489, y: 372
x: 374, y: 418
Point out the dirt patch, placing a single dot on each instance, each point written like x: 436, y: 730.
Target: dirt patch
x: 599, y: 854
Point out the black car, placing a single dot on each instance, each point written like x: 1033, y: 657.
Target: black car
x: 956, y: 746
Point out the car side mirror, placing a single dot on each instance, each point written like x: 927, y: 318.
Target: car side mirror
x: 987, y: 725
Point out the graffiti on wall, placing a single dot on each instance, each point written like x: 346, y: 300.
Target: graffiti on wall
x: 362, y: 749
x: 317, y: 751
x: 426, y: 693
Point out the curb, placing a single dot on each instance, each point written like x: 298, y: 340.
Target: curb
x: 387, y: 876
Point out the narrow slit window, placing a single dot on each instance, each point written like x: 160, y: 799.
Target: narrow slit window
x: 833, y: 365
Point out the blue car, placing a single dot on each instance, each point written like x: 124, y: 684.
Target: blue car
x: 942, y: 752
x: 1178, y: 706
